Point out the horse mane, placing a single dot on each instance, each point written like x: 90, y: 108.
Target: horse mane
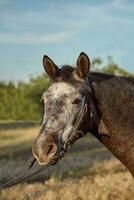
x: 100, y: 76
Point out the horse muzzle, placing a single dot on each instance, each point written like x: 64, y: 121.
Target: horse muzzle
x: 44, y: 149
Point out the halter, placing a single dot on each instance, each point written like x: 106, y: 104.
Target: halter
x: 76, y: 134
x: 83, y: 110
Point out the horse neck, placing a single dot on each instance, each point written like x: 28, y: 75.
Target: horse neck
x: 115, y: 97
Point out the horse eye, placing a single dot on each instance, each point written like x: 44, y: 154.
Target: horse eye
x: 76, y: 101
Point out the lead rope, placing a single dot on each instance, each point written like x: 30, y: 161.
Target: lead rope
x: 18, y: 178
x: 24, y: 176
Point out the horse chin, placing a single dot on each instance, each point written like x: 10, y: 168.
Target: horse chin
x: 59, y: 156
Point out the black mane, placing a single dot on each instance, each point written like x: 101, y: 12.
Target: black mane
x: 99, y: 76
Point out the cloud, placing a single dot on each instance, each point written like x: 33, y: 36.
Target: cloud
x: 49, y: 26
x: 6, y: 38
x: 72, y: 13
x: 4, y: 2
x: 124, y: 5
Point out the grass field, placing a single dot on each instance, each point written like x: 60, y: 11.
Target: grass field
x: 87, y: 172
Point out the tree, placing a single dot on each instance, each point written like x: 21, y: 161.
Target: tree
x: 113, y: 68
x: 96, y: 63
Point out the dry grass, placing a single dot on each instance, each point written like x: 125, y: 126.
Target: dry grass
x: 17, y: 136
x: 86, y: 172
x: 16, y: 139
x: 111, y: 183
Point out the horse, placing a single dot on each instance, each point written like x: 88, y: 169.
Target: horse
x: 78, y: 102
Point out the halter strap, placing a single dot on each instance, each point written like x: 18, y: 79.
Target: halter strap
x: 76, y: 134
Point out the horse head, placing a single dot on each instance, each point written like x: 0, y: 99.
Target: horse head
x: 65, y: 110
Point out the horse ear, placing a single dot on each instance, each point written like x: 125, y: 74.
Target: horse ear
x: 50, y: 67
x: 83, y: 65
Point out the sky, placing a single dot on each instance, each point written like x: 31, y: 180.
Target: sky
x: 62, y: 29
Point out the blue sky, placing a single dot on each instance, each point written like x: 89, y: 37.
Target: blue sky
x: 62, y: 29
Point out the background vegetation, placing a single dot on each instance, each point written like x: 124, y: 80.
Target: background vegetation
x: 22, y: 101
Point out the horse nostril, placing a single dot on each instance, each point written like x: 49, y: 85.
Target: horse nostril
x: 44, y: 150
x: 49, y: 148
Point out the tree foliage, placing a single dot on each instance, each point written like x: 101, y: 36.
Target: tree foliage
x: 111, y: 67
x: 22, y: 102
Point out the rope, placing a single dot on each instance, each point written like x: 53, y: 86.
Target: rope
x: 18, y: 178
